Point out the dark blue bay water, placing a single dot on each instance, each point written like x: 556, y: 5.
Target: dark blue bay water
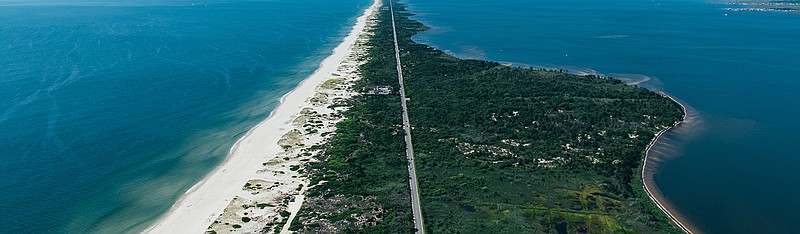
x: 734, y: 167
x: 110, y: 110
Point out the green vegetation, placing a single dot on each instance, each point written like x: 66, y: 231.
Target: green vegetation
x: 330, y: 84
x: 364, y: 165
x: 499, y: 149
x: 514, y: 149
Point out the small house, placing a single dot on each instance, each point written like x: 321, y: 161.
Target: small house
x: 378, y: 89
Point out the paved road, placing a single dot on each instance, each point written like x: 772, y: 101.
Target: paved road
x: 412, y: 171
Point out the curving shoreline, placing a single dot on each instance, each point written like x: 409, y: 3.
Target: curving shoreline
x: 654, y: 196
x: 257, y: 153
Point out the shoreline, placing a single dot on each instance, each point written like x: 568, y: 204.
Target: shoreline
x: 257, y: 152
x: 657, y: 197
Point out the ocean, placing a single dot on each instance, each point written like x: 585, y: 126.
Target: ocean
x: 732, y: 167
x: 110, y: 110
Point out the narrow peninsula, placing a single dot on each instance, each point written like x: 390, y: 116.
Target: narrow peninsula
x: 498, y: 149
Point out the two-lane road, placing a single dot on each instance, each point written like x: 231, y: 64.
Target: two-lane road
x: 415, y: 206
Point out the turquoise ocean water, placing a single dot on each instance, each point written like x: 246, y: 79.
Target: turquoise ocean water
x: 733, y: 167
x: 110, y: 110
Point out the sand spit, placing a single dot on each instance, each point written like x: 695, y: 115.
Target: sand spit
x: 258, y: 187
x: 649, y: 188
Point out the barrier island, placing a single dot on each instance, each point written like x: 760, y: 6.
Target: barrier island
x: 498, y: 148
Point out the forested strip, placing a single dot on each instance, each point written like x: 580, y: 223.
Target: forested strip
x: 519, y: 150
x: 499, y: 149
x: 360, y: 180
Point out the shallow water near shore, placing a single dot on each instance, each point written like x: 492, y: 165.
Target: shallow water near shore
x: 110, y: 110
x: 732, y: 169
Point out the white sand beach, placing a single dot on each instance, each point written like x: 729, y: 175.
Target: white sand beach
x: 258, y: 183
